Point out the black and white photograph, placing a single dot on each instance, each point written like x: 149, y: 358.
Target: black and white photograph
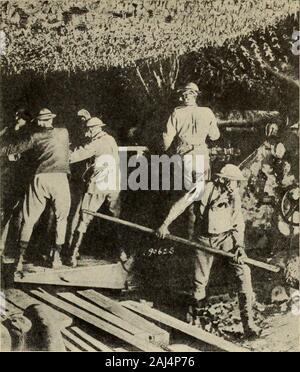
x: 149, y: 182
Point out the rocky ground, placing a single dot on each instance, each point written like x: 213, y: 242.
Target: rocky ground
x: 280, y: 327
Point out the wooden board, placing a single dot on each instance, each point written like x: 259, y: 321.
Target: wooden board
x: 7, y: 308
x: 182, y: 348
x: 77, y: 341
x: 105, y: 315
x: 179, y: 325
x: 70, y: 346
x: 111, y: 276
x: 98, y: 345
x: 96, y: 322
x: 17, y: 299
x: 158, y: 335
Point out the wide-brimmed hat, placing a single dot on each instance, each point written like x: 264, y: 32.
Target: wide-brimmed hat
x: 95, y: 122
x: 84, y: 113
x: 231, y: 172
x: 45, y: 114
x: 190, y: 87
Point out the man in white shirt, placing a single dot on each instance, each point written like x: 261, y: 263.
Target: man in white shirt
x: 189, y: 126
x: 186, y: 133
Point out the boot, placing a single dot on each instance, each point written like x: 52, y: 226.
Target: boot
x: 75, y: 246
x: 195, y: 312
x: 251, y: 330
x: 19, y: 268
x: 55, y: 260
x: 127, y: 265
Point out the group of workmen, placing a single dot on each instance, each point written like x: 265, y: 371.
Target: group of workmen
x: 216, y: 220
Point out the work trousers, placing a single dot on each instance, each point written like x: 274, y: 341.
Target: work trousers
x: 45, y: 187
x: 93, y: 202
x: 190, y: 176
x: 204, y: 262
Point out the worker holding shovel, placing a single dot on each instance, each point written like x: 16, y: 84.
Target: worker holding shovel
x: 219, y: 224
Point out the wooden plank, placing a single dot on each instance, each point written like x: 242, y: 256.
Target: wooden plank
x: 77, y: 341
x: 181, y: 348
x: 179, y: 325
x: 71, y: 347
x: 111, y: 276
x: 105, y: 315
x: 96, y: 343
x: 10, y: 310
x: 93, y: 320
x: 17, y: 299
x: 8, y: 307
x: 158, y: 335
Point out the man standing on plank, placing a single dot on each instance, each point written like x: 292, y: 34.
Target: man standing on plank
x: 103, y: 155
x: 220, y: 224
x: 186, y: 133
x: 50, y: 151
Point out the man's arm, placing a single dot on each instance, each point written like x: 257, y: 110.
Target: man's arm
x: 169, y: 133
x: 83, y: 152
x: 214, y: 132
x: 238, y: 223
x: 181, y: 205
x: 18, y: 148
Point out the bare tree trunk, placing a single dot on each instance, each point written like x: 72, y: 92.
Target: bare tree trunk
x: 159, y: 79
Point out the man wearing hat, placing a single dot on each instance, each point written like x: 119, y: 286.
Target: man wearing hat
x: 50, y: 152
x: 83, y: 115
x: 102, y: 154
x: 16, y: 174
x: 14, y: 169
x: 219, y: 224
x: 186, y: 133
x: 188, y: 128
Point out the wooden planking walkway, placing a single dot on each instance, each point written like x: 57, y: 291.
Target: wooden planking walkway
x: 179, y: 325
x: 111, y: 276
x: 106, y: 316
x: 158, y: 335
x: 93, y: 320
x: 96, y: 343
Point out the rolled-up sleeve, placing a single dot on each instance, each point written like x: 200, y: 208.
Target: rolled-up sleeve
x: 18, y: 148
x: 84, y: 152
x: 195, y: 194
x: 170, y: 132
x: 214, y: 132
x: 238, y: 223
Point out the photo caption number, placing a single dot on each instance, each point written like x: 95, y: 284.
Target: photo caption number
x: 165, y: 362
